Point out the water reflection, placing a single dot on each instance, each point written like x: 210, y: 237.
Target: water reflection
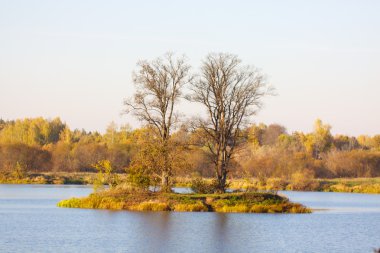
x: 220, y: 231
x: 158, y: 232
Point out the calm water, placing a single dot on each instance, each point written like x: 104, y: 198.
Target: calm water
x: 30, y: 222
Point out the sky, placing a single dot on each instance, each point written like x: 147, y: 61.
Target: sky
x: 74, y: 59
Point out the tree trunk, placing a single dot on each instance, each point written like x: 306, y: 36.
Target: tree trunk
x: 165, y: 183
x: 166, y: 170
x: 221, y: 177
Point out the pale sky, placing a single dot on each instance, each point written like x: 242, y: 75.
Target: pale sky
x: 74, y: 59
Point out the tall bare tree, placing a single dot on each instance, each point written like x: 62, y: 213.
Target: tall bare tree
x: 231, y: 93
x: 159, y: 86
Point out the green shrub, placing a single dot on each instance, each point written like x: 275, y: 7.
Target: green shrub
x: 106, y: 175
x: 138, y: 178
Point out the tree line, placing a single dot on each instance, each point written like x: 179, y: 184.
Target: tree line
x: 265, y: 150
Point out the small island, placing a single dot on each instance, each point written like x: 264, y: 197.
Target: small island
x: 244, y: 202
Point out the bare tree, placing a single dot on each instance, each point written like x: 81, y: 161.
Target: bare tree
x: 159, y: 85
x: 231, y: 93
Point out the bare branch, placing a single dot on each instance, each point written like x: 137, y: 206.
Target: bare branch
x: 231, y: 94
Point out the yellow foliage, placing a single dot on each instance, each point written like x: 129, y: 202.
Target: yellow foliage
x: 197, y: 207
x: 241, y: 208
x: 150, y: 206
x: 259, y: 209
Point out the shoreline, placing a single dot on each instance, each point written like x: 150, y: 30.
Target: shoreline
x: 349, y: 185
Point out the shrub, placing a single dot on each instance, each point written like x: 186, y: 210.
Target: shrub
x: 199, y: 185
x: 303, y: 180
x: 105, y: 175
x: 355, y: 163
x: 276, y: 184
x: 138, y: 178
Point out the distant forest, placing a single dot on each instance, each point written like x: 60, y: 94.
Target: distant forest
x: 42, y: 145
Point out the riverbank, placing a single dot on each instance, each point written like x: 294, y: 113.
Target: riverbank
x: 354, y: 185
x: 79, y: 178
x: 350, y: 185
x: 243, y: 202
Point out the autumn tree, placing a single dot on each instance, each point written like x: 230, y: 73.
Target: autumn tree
x: 2, y: 124
x: 272, y: 133
x: 345, y: 143
x: 231, y: 93
x: 376, y: 142
x: 159, y: 85
x: 37, y: 131
x: 320, y: 140
x: 255, y: 134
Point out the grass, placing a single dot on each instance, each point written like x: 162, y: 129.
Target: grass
x: 199, y: 206
x: 355, y: 185
x: 78, y: 178
x: 242, y: 202
x: 150, y: 206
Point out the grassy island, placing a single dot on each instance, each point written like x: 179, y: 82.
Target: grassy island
x: 245, y: 202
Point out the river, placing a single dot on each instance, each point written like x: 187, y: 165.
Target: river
x: 31, y: 222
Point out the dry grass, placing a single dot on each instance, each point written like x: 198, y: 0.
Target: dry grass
x: 355, y: 185
x: 80, y: 178
x: 150, y: 206
x: 196, y: 207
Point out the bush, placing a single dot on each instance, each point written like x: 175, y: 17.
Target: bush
x: 303, y: 181
x: 138, y: 178
x: 199, y: 185
x: 105, y: 175
x: 355, y: 163
x: 276, y: 184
